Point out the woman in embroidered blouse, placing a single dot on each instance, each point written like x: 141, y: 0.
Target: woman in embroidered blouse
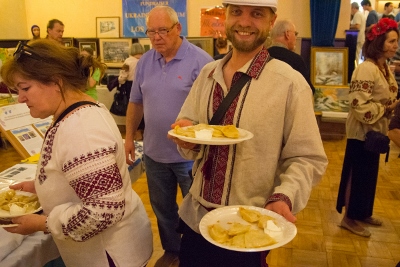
x: 82, y: 182
x: 372, y: 99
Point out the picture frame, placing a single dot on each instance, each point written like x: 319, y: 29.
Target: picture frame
x: 331, y: 98
x: 113, y: 52
x: 107, y: 27
x: 205, y: 43
x: 88, y: 42
x: 69, y: 42
x: 146, y: 43
x: 329, y: 66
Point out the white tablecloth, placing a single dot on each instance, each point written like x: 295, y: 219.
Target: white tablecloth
x: 35, y: 251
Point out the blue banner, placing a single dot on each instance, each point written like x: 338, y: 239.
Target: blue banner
x: 134, y: 14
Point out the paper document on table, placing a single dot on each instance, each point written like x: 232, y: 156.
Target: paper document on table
x: 20, y: 172
x: 29, y: 138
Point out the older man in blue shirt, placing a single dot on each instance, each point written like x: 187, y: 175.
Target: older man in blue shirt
x: 164, y: 76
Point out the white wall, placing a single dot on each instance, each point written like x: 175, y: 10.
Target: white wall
x: 79, y: 16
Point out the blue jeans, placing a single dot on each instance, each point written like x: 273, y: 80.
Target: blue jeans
x: 162, y: 180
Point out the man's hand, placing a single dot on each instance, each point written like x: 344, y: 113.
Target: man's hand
x: 180, y: 143
x: 281, y: 208
x: 129, y: 151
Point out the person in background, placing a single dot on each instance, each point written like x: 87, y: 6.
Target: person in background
x: 83, y: 183
x: 164, y: 76
x: 222, y: 47
x: 388, y: 11
x: 283, y: 37
x: 55, y: 30
x: 123, y: 74
x: 137, y: 52
x: 358, y: 23
x: 372, y: 17
x: 35, y: 30
x: 277, y: 168
x: 373, y: 92
x: 96, y: 73
x: 394, y: 127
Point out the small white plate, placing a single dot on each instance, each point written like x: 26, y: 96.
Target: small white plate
x: 216, y: 141
x: 8, y: 225
x: 6, y: 216
x: 229, y: 214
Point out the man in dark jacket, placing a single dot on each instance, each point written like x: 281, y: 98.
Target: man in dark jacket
x: 283, y: 36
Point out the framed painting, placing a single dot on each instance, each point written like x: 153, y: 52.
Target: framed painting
x: 88, y: 42
x: 329, y: 66
x: 205, y: 43
x: 146, y: 43
x: 113, y: 52
x: 331, y: 98
x: 107, y: 27
x: 69, y: 42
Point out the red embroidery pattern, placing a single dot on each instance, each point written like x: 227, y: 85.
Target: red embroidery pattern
x: 392, y: 89
x: 215, y: 166
x: 368, y: 116
x: 47, y: 150
x: 89, y: 157
x: 361, y: 86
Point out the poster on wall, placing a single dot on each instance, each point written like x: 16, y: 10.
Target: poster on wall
x: 213, y: 22
x: 134, y: 14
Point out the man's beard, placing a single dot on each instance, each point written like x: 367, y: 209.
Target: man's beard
x: 245, y: 46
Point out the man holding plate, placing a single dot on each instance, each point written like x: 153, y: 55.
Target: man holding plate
x: 275, y: 169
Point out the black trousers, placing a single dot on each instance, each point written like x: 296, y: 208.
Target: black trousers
x: 196, y: 251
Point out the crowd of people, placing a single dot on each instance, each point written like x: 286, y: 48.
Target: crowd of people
x: 83, y: 183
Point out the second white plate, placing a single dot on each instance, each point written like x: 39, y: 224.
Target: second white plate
x: 216, y: 141
x: 227, y: 215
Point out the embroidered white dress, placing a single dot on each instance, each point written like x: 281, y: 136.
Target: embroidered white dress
x: 84, y: 187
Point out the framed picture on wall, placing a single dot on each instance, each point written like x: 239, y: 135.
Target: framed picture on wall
x: 145, y: 42
x: 113, y: 52
x: 205, y: 43
x: 69, y: 42
x: 331, y: 98
x: 88, y: 42
x: 329, y: 66
x: 107, y: 27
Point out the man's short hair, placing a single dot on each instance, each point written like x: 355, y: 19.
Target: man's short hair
x: 388, y: 4
x: 51, y: 23
x: 365, y: 3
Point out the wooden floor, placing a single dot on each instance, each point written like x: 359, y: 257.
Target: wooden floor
x: 319, y: 242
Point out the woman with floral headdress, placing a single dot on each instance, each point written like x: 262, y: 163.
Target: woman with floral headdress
x: 372, y: 97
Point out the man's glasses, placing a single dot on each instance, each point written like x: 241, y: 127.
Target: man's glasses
x: 161, y: 32
x: 25, y: 50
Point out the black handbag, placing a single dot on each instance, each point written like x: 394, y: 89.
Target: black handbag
x: 121, y: 101
x: 376, y: 142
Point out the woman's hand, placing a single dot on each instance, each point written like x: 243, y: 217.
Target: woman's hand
x: 27, y: 186
x: 28, y: 224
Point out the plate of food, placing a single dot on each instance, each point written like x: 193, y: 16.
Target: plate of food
x: 204, y: 134
x: 246, y: 228
x: 14, y: 203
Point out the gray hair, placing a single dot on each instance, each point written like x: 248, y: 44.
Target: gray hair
x: 169, y: 10
x: 280, y: 27
x: 355, y: 5
x: 136, y: 49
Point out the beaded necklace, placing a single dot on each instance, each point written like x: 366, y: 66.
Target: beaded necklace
x: 384, y: 70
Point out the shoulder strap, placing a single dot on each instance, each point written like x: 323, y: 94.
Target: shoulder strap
x: 72, y: 107
x: 227, y: 101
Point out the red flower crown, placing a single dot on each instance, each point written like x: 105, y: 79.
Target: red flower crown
x: 381, y: 27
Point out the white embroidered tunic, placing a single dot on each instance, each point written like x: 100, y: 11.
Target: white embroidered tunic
x: 84, y: 187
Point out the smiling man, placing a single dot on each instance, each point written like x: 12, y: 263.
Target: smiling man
x: 277, y: 168
x: 164, y: 76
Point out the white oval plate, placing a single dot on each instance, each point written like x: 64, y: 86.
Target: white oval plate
x: 229, y: 214
x: 8, y: 225
x: 216, y: 141
x: 5, y: 215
